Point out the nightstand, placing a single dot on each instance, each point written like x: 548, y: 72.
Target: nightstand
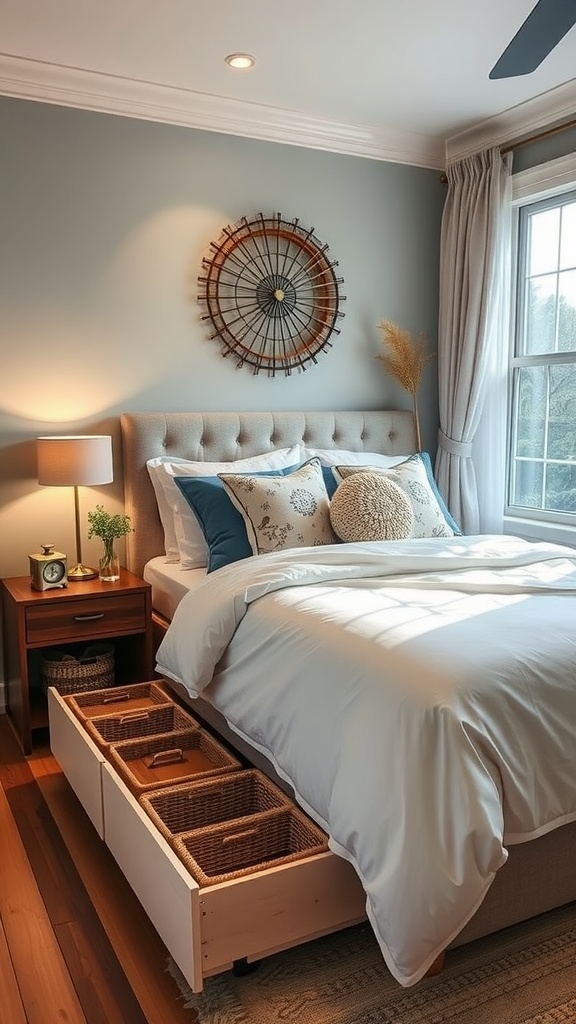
x: 80, y: 613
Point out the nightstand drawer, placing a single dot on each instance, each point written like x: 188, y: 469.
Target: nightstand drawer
x: 75, y: 620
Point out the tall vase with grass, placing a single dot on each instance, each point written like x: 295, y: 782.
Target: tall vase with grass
x: 405, y: 359
x: 109, y: 528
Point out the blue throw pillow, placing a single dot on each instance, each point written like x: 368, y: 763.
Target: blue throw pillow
x: 222, y: 525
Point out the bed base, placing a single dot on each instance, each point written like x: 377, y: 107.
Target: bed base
x: 539, y: 875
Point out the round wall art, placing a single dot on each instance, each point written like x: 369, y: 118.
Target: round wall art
x: 270, y: 294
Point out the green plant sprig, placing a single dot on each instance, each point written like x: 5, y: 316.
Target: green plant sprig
x: 107, y: 526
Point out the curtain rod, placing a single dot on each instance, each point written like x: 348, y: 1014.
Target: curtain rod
x: 537, y: 137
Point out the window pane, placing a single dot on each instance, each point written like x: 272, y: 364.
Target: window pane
x: 532, y: 404
x: 568, y: 236
x: 562, y: 414
x: 567, y: 311
x: 544, y: 241
x: 560, y: 489
x: 541, y: 315
x: 528, y: 479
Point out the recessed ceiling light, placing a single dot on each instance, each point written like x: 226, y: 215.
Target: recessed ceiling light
x: 240, y: 60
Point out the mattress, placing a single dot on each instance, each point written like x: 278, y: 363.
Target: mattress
x: 170, y: 583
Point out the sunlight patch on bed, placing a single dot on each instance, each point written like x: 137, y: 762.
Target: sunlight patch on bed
x: 415, y: 612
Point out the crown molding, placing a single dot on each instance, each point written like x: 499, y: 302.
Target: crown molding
x: 110, y: 94
x: 516, y: 124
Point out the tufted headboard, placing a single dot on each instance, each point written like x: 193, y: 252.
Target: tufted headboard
x: 219, y: 436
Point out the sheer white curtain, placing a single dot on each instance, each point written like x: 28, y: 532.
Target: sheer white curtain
x: 473, y: 340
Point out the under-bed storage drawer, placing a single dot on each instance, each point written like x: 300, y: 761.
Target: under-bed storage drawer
x: 205, y: 928
x: 78, y: 756
x: 166, y: 890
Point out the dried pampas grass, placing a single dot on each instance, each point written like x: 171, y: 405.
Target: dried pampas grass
x: 405, y: 359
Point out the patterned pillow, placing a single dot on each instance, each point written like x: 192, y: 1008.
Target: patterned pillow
x: 368, y: 506
x: 291, y: 511
x: 221, y: 523
x: 415, y: 478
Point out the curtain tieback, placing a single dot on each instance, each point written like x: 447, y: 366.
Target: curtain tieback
x: 461, y: 448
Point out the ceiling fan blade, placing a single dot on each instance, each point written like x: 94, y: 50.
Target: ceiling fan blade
x: 543, y: 29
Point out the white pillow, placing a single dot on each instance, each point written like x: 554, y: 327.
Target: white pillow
x: 280, y: 512
x: 414, y: 477
x: 184, y: 540
x: 164, y: 509
x: 342, y: 457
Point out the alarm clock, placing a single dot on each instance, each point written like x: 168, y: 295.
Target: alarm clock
x: 48, y: 568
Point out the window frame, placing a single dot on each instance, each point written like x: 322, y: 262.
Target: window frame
x: 546, y: 183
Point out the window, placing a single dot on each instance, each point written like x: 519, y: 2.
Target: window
x: 542, y: 451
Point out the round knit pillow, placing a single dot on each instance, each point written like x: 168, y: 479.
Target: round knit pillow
x: 369, y: 506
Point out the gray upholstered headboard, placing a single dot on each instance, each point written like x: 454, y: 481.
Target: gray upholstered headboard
x: 218, y: 436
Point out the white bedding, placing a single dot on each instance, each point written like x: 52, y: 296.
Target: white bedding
x: 420, y: 698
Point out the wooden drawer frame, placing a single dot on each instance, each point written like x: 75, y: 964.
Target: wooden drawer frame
x: 205, y: 929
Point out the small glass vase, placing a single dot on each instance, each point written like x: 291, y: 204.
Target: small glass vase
x: 109, y: 569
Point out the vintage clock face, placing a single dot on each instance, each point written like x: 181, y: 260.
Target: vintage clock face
x: 270, y: 294
x: 48, y: 568
x: 53, y: 572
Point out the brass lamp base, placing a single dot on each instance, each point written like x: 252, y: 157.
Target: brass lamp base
x: 81, y: 573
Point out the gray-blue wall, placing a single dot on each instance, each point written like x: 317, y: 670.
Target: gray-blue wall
x: 103, y: 223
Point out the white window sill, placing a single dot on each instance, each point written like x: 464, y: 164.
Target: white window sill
x: 532, y: 529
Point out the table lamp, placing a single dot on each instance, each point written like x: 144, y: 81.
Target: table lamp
x: 75, y: 461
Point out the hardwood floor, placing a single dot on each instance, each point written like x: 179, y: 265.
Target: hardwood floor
x: 75, y: 944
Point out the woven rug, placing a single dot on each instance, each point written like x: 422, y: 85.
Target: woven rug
x: 525, y: 974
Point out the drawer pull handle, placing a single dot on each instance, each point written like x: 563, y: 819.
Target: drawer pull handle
x: 166, y: 757
x: 241, y: 835
x: 88, y: 618
x: 114, y: 698
x: 136, y: 716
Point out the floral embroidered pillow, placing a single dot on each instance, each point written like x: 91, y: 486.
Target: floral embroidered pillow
x: 415, y: 478
x: 291, y: 511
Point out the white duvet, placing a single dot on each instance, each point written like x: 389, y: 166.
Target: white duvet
x: 419, y: 696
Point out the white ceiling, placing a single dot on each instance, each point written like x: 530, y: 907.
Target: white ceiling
x: 393, y: 79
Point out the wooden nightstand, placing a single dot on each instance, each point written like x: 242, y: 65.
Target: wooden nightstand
x: 80, y: 613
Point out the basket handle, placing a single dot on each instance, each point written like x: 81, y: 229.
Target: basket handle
x: 115, y: 697
x: 167, y: 757
x: 135, y: 716
x: 240, y: 835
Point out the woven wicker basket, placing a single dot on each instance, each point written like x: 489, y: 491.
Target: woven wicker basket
x: 221, y: 852
x: 92, y: 670
x: 226, y: 798
x: 168, y: 720
x: 154, y: 763
x: 120, y: 699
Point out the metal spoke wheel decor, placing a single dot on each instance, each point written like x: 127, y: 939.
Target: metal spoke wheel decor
x: 270, y: 294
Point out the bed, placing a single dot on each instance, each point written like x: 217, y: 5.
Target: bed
x: 511, y: 876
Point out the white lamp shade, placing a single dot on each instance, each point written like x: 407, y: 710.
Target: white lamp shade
x: 75, y: 461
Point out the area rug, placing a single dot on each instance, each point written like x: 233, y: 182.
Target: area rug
x: 525, y: 974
